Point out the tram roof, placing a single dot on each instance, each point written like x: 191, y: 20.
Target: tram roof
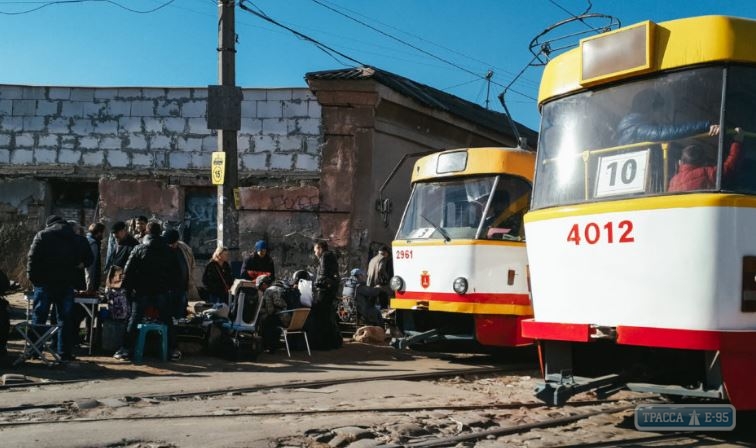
x: 474, y: 161
x: 668, y: 45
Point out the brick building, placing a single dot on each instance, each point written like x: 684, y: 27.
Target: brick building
x: 311, y: 160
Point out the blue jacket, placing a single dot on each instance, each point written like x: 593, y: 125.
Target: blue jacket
x: 635, y: 128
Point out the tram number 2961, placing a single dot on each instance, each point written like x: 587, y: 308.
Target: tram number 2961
x: 610, y: 233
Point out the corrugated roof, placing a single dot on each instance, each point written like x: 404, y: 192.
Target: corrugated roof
x: 429, y: 97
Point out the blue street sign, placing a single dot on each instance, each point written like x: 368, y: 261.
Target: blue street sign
x: 685, y: 417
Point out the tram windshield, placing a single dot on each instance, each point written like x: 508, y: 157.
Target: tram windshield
x: 465, y: 208
x: 632, y: 139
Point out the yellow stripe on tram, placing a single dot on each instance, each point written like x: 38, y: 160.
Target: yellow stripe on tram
x: 432, y: 243
x: 465, y: 308
x: 650, y: 203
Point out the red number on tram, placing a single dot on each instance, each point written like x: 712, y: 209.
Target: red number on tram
x: 574, y: 235
x: 626, y: 237
x: 592, y: 233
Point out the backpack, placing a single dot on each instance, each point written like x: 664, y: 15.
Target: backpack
x: 291, y: 296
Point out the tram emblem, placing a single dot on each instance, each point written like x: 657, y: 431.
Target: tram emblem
x: 425, y: 279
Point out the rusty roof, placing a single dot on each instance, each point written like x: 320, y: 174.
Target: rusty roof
x: 430, y: 97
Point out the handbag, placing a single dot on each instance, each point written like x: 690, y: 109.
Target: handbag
x: 118, y: 303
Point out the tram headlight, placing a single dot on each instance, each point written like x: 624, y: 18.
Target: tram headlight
x: 460, y: 285
x: 396, y: 283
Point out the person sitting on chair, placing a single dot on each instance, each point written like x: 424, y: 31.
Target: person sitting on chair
x: 273, y: 303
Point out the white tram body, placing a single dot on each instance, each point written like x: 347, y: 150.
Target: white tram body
x: 676, y: 265
x: 642, y: 229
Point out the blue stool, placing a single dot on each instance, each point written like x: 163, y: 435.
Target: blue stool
x: 145, y: 328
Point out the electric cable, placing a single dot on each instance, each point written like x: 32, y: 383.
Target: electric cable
x: 323, y: 47
x: 427, y: 53
x: 64, y: 2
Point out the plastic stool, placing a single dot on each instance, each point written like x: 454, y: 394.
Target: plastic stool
x: 145, y: 328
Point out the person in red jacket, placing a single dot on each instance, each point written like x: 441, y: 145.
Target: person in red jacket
x: 694, y: 174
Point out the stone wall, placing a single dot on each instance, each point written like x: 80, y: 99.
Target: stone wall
x: 153, y: 128
x: 146, y: 151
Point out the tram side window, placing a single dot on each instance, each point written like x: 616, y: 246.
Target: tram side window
x: 740, y: 111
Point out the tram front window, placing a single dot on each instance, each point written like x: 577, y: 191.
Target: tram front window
x: 625, y: 140
x: 464, y: 209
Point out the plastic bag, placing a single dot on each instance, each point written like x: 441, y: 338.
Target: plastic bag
x: 305, y: 291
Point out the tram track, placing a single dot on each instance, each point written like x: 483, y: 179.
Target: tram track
x: 507, y: 430
x: 274, y: 413
x: 291, y: 385
x: 645, y: 440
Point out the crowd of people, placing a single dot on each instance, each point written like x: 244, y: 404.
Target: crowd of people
x: 148, y: 273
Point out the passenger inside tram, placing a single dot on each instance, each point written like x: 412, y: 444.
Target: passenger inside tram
x: 697, y: 171
x: 643, y: 124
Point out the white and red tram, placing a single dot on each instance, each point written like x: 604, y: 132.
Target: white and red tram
x: 459, y: 255
x: 637, y: 284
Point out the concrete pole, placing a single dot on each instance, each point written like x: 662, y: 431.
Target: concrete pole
x: 228, y: 216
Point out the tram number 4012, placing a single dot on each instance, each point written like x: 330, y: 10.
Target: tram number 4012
x: 593, y: 233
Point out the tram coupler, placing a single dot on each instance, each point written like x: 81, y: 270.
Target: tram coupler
x: 557, y: 394
x: 426, y: 336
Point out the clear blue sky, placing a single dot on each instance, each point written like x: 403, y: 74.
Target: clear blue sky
x: 96, y: 43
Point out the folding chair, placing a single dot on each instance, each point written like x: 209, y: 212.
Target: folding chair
x: 38, y: 339
x: 296, y: 325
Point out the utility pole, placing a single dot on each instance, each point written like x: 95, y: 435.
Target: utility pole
x: 489, y: 75
x: 228, y: 216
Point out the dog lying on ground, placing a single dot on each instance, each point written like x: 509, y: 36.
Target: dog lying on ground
x: 370, y: 335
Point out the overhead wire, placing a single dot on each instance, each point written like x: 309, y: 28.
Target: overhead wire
x: 403, y: 42
x: 64, y: 2
x: 323, y: 47
x: 243, y: 23
x: 422, y: 39
x: 590, y: 5
x: 461, y: 84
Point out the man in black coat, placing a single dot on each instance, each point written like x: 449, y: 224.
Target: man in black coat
x: 323, y: 320
x: 148, y: 274
x: 124, y: 244
x: 54, y: 262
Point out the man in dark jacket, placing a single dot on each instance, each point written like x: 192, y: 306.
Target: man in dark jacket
x: 124, y: 244
x: 179, y: 285
x: 148, y: 274
x: 93, y: 273
x: 323, y: 320
x: 53, y: 263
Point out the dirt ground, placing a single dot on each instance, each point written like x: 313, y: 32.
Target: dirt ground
x: 108, y: 403
x: 102, y: 379
x: 353, y: 358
